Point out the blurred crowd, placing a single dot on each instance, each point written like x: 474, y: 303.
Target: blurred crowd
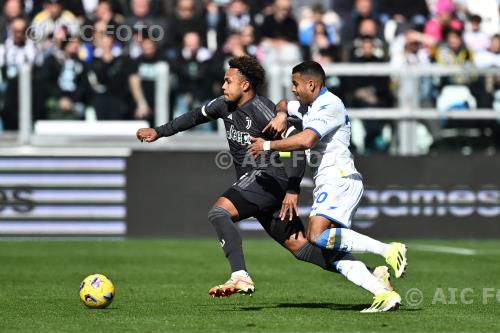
x: 96, y: 58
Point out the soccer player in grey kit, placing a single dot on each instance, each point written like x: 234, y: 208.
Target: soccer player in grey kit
x: 263, y: 189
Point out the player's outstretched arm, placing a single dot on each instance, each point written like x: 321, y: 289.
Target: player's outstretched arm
x: 179, y: 124
x: 208, y: 112
x: 182, y: 123
x: 302, y: 141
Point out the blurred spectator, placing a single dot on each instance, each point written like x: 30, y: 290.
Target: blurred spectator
x: 363, y: 9
x: 192, y: 69
x: 491, y: 56
x: 401, y: 11
x: 343, y: 7
x: 280, y: 25
x: 475, y: 39
x: 238, y: 15
x: 141, y: 16
x: 111, y: 78
x: 279, y: 34
x: 370, y: 92
x: 316, y: 36
x: 12, y: 9
x: 185, y: 20
x: 454, y: 90
x: 92, y: 47
x: 103, y: 20
x: 453, y: 51
x: 307, y: 27
x: 488, y: 10
x: 104, y: 13
x: 234, y: 46
x: 54, y: 20
x: 407, y: 49
x: 17, y: 50
x: 65, y: 83
x: 142, y: 21
x: 90, y: 6
x: 216, y: 22
x: 145, y: 68
x: 169, y: 7
x: 368, y: 28
x: 444, y: 20
x: 398, y: 15
x: 248, y: 39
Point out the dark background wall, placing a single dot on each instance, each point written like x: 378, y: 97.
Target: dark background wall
x: 170, y: 193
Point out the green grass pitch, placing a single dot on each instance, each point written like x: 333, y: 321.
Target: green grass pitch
x: 161, y: 286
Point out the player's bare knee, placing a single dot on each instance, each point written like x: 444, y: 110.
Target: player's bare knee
x: 317, y: 225
x: 226, y: 205
x: 313, y: 234
x: 312, y: 238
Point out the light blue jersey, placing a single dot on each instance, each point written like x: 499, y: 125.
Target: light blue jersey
x: 327, y: 117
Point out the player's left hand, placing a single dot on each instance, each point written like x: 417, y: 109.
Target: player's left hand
x: 277, y: 125
x: 289, y: 206
x: 256, y: 147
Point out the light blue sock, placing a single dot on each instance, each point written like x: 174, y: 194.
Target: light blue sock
x: 347, y: 240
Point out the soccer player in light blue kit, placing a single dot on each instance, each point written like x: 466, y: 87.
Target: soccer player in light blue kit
x: 338, y: 185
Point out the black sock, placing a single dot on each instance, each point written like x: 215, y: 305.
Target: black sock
x: 320, y: 257
x: 229, y: 237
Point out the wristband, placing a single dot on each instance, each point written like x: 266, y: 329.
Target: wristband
x: 267, y: 145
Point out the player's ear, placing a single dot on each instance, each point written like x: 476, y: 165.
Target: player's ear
x: 311, y: 85
x: 246, y: 85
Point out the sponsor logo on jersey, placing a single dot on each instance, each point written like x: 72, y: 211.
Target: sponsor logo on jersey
x: 240, y: 137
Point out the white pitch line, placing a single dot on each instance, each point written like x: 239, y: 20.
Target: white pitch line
x: 443, y: 249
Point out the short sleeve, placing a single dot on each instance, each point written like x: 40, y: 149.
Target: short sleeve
x: 214, y: 109
x: 327, y: 118
x: 293, y: 109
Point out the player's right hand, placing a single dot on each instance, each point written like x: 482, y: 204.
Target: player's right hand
x: 289, y: 206
x: 147, y: 135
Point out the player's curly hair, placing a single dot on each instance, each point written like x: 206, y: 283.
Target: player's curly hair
x: 251, y: 69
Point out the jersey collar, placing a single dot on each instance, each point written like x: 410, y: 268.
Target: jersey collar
x: 321, y: 92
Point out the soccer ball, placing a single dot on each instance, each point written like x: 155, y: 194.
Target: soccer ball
x: 97, y: 291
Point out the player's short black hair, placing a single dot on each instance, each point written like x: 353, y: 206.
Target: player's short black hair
x: 310, y: 68
x: 250, y: 68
